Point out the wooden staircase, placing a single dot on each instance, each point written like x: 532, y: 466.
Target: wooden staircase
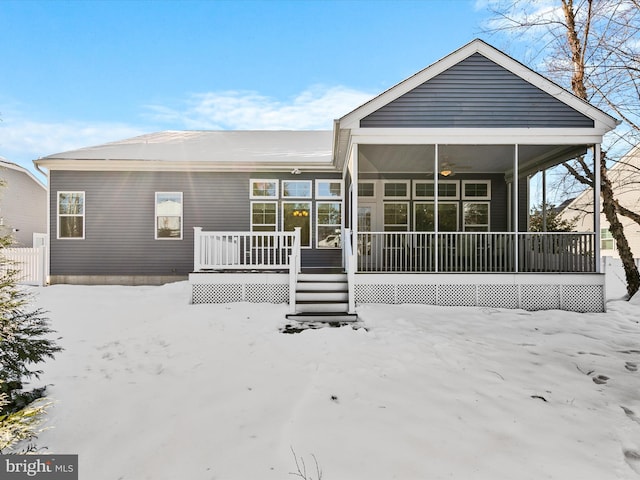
x: 322, y: 297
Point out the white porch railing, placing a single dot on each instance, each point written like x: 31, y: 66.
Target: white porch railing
x: 475, y: 252
x: 244, y: 250
x: 30, y: 263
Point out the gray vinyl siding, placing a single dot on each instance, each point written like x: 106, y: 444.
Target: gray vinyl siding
x: 476, y: 92
x: 120, y: 220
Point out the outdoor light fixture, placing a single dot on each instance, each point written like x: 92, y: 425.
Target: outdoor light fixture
x: 446, y: 171
x: 296, y: 171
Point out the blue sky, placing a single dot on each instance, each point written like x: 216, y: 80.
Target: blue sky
x: 80, y: 73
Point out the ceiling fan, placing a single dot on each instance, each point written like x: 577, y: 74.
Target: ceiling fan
x: 449, y: 169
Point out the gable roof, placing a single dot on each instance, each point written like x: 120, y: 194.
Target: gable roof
x: 477, y: 46
x: 14, y: 166
x: 204, y: 150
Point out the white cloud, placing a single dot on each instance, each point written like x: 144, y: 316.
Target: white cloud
x: 23, y: 140
x: 314, y: 108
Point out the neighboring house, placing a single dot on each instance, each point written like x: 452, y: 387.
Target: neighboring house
x: 23, y: 204
x: 625, y: 180
x: 419, y: 195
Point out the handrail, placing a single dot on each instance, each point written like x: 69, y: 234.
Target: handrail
x: 294, y: 268
x: 350, y: 267
x: 243, y: 250
x: 476, y: 252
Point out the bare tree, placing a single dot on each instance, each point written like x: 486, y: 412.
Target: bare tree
x: 593, y: 46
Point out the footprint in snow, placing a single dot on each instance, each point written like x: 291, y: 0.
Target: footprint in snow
x: 630, y: 413
x: 600, y: 379
x: 631, y: 366
x: 632, y: 457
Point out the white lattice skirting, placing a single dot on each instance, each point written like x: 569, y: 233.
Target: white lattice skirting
x: 239, y: 287
x: 577, y: 293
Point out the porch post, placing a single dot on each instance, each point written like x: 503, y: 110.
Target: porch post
x: 544, y: 200
x: 354, y: 201
x: 197, y: 255
x: 436, y: 267
x: 516, y: 249
x: 597, y: 152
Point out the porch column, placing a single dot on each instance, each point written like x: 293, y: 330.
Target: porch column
x: 516, y: 249
x: 597, y: 152
x: 544, y: 200
x: 354, y: 201
x: 436, y: 267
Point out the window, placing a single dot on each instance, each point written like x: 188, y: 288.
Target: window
x: 447, y: 217
x: 169, y: 215
x: 396, y: 189
x: 71, y: 215
x: 446, y: 189
x: 396, y: 217
x: 476, y: 216
x: 296, y: 188
x: 298, y: 214
x: 264, y: 189
x: 366, y: 189
x: 329, y: 224
x: 607, y: 242
x: 476, y: 190
x: 328, y: 189
x: 264, y: 216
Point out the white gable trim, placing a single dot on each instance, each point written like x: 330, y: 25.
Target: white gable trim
x: 18, y: 168
x: 352, y: 119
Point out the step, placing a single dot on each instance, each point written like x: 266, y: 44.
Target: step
x: 323, y: 318
x: 322, y: 296
x: 322, y: 287
x: 322, y: 277
x: 322, y: 307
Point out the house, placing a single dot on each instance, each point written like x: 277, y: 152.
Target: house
x: 417, y: 196
x: 23, y: 204
x: 625, y: 180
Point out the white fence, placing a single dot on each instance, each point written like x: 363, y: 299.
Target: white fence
x: 29, y: 262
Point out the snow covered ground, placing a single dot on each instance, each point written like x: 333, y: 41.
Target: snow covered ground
x: 150, y: 387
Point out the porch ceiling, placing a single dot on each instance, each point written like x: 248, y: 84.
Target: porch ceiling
x: 463, y: 158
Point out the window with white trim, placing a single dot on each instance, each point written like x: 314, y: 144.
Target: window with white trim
x: 396, y: 189
x: 298, y: 214
x: 424, y: 221
x: 328, y: 189
x: 446, y: 189
x: 263, y: 188
x: 71, y: 210
x: 296, y: 188
x: 168, y: 215
x: 396, y: 216
x: 328, y: 224
x: 475, y: 216
x: 476, y: 189
x: 264, y: 216
x: 607, y: 242
x: 366, y: 189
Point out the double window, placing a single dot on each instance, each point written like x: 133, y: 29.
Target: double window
x: 71, y: 208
